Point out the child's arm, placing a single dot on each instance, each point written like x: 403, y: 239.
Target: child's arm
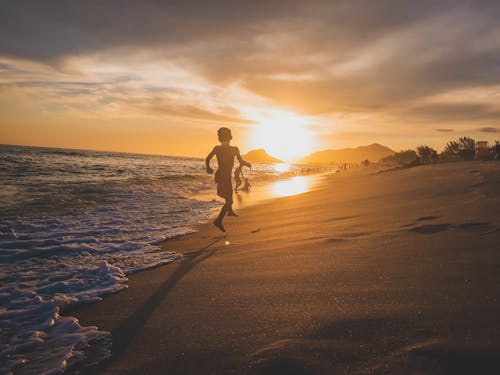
x: 240, y: 159
x: 207, y: 160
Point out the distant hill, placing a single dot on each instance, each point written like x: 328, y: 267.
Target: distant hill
x: 260, y: 156
x: 373, y: 153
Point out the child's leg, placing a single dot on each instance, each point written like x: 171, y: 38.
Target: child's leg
x: 230, y: 211
x: 223, y: 211
x: 229, y: 202
x: 218, y: 221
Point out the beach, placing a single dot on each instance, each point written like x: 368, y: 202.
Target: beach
x: 371, y: 271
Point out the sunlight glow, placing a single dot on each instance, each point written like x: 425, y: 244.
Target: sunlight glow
x: 293, y: 186
x: 282, y: 134
x: 281, y: 167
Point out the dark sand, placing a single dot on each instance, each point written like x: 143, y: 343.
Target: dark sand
x: 395, y: 272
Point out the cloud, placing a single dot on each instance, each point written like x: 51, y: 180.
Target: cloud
x: 51, y: 31
x: 117, y: 95
x: 453, y: 112
x: 384, y: 60
x: 162, y: 106
x: 444, y: 130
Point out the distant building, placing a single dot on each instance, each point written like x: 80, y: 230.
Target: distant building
x: 482, y: 150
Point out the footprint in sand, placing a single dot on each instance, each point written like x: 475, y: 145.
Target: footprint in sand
x: 478, y: 225
x: 427, y: 218
x: 336, y: 240
x: 422, y: 218
x: 407, y: 225
x: 431, y: 228
x: 340, y: 218
x: 356, y: 234
x: 348, y: 237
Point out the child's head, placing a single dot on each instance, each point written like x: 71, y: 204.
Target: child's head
x: 224, y: 135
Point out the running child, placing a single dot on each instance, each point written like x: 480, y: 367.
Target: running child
x: 238, y: 175
x: 225, y: 159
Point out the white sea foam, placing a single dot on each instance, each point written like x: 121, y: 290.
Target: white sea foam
x: 75, y: 258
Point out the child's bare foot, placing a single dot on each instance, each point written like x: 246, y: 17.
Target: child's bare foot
x: 219, y: 225
x: 232, y: 213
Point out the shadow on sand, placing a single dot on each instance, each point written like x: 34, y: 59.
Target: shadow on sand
x: 125, y: 332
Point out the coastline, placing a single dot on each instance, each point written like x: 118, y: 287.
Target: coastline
x: 364, y: 272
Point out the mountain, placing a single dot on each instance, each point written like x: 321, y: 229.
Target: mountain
x: 373, y: 153
x: 260, y: 156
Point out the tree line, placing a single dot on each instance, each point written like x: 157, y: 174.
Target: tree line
x: 463, y: 148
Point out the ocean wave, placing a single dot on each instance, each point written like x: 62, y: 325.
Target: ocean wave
x: 176, y: 177
x: 65, y: 152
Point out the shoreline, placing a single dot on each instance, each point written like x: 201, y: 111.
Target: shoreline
x: 267, y: 193
x: 264, y: 195
x: 303, y: 292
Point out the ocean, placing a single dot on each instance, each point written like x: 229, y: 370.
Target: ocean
x: 73, y: 225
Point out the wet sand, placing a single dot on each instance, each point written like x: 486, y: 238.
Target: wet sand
x: 392, y: 273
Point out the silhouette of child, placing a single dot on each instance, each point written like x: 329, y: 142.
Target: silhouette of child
x: 225, y: 159
x: 238, y: 175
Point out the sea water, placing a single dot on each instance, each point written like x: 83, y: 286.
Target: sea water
x: 73, y: 225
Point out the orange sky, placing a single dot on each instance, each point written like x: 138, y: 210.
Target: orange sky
x: 323, y: 74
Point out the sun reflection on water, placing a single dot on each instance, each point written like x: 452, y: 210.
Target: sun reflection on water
x: 293, y: 186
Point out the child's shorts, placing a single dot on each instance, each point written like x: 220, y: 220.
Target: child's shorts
x: 224, y: 186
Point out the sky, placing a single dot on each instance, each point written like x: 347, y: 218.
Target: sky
x: 291, y: 76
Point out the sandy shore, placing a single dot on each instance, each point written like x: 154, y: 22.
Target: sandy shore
x: 394, y: 272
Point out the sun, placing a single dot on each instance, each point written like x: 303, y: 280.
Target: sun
x: 284, y: 135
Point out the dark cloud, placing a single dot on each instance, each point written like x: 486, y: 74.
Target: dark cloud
x: 489, y: 129
x: 315, y: 57
x: 459, y: 112
x: 47, y: 31
x: 444, y: 130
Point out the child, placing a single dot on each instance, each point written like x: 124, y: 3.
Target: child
x: 238, y: 175
x: 225, y: 159
x: 237, y: 172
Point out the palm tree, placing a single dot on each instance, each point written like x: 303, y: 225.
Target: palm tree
x: 463, y: 148
x: 426, y: 154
